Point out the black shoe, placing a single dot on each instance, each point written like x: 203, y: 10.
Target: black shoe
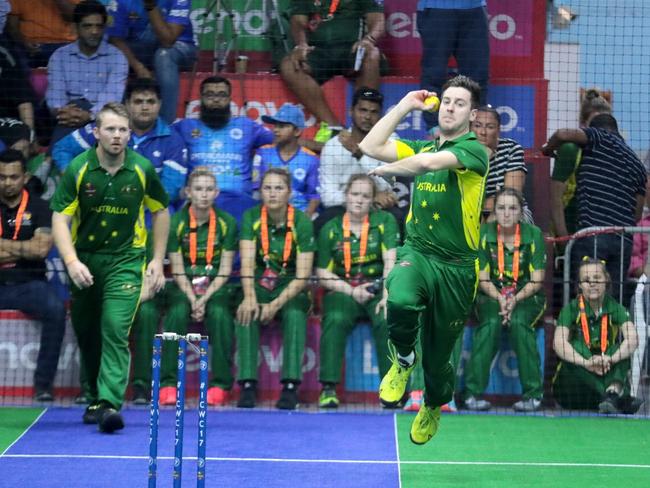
x: 43, y: 395
x: 288, y: 398
x: 108, y: 419
x: 140, y: 396
x: 247, y: 395
x: 629, y: 405
x: 610, y: 404
x: 90, y: 415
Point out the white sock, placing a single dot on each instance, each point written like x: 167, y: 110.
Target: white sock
x: 407, y: 359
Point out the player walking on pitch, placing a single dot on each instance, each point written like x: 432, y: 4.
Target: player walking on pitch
x: 103, y: 193
x: 434, y: 281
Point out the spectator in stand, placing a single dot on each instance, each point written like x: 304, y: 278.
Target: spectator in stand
x: 610, y: 191
x: 5, y: 8
x: 151, y: 137
x: 507, y: 165
x: 594, y: 339
x: 342, y: 158
x: 155, y: 34
x: 277, y: 251
x: 40, y: 27
x: 15, y: 134
x: 456, y: 28
x: 25, y: 240
x: 356, y: 251
x: 568, y: 156
x: 85, y: 75
x: 201, y: 249
x: 301, y: 163
x: 327, y: 43
x: 225, y: 144
x: 16, y: 94
x: 512, y: 261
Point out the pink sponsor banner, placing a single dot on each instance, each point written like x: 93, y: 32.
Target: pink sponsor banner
x: 516, y: 30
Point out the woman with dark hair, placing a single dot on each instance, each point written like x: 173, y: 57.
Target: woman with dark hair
x: 594, y: 340
x: 277, y: 250
x: 356, y: 251
x: 512, y: 259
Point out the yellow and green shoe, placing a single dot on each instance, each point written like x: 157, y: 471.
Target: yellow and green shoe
x: 425, y: 425
x: 393, y: 384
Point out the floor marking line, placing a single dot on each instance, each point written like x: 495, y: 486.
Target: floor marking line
x: 399, y: 469
x: 2, y: 454
x: 339, y: 461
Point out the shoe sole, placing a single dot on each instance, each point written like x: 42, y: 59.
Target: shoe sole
x: 111, y: 422
x: 419, y: 443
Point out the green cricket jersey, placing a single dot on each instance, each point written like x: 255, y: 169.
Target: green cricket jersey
x: 179, y: 241
x: 383, y: 234
x: 108, y: 211
x: 445, y: 213
x: 303, y: 241
x: 532, y: 255
x: 343, y: 27
x: 617, y: 315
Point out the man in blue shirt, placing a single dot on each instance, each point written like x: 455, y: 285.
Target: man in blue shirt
x: 158, y: 34
x: 150, y: 136
x: 225, y: 144
x: 86, y: 74
x: 302, y: 164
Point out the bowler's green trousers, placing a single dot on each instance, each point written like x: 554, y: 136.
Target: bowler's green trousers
x: 293, y: 320
x: 219, y: 324
x: 102, y: 316
x: 340, y: 315
x: 439, y: 293
x: 523, y: 340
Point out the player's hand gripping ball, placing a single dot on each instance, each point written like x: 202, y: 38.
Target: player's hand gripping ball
x: 432, y: 100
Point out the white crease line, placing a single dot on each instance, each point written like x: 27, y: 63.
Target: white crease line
x: 24, y: 432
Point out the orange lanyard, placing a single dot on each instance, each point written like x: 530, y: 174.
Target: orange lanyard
x: 347, y: 251
x: 334, y: 5
x: 18, y: 222
x: 515, y: 257
x: 212, y: 233
x: 585, y: 327
x: 286, y: 252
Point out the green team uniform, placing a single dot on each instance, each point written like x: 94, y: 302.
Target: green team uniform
x: 575, y: 386
x: 333, y: 38
x: 293, y: 314
x: 436, y: 275
x: 109, y: 235
x: 565, y: 168
x: 341, y: 311
x: 218, y: 320
x: 521, y: 328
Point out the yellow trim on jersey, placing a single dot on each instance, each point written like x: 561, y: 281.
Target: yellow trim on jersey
x: 471, y: 186
x: 74, y: 205
x: 403, y: 150
x: 476, y: 281
x: 139, y: 230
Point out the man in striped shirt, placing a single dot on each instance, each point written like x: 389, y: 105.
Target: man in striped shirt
x: 610, y: 191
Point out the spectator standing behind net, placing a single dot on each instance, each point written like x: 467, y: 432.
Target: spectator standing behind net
x: 433, y: 284
x: 201, y: 249
x: 356, y: 251
x: 327, y: 43
x: 225, y: 144
x: 507, y: 165
x: 285, y: 152
x: 610, y: 191
x: 16, y: 93
x: 512, y: 260
x: 568, y: 156
x: 151, y: 137
x: 5, y: 8
x: 155, y: 34
x: 594, y: 339
x: 85, y: 75
x: 457, y: 28
x: 40, y: 27
x: 104, y: 192
x: 341, y: 158
x: 25, y: 240
x: 277, y: 251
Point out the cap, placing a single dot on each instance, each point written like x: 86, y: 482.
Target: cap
x: 288, y: 114
x: 13, y: 130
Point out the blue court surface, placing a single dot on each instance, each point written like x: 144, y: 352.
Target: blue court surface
x: 244, y: 449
